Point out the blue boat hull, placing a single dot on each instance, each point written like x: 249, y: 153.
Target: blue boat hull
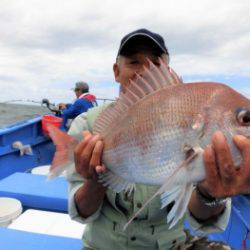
x: 28, y: 132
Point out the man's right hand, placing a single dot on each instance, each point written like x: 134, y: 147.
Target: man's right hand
x: 88, y: 154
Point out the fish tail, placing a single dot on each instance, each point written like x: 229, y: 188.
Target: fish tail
x: 65, y: 145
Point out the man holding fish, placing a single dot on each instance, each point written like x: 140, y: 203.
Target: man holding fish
x: 107, y: 211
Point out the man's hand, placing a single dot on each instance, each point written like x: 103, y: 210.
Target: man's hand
x: 61, y: 106
x: 88, y: 155
x: 223, y: 178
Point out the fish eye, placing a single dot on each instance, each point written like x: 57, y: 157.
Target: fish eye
x: 243, y: 116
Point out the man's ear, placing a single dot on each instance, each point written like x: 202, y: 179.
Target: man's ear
x: 116, y: 72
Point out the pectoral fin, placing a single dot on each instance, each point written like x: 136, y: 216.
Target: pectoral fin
x: 169, y: 193
x: 181, y: 203
x: 116, y: 182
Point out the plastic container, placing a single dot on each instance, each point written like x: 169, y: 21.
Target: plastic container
x: 44, y: 170
x: 50, y: 120
x: 47, y: 222
x: 41, y: 170
x: 10, y: 209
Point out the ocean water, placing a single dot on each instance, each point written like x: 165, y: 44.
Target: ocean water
x: 12, y: 113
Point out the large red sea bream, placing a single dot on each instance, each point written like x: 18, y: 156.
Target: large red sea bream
x: 156, y: 131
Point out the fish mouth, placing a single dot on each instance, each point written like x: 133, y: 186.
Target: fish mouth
x: 245, y: 132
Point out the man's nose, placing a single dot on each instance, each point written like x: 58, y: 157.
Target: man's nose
x: 142, y: 67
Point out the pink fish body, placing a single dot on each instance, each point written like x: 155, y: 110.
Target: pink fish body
x: 155, y: 134
x: 152, y: 138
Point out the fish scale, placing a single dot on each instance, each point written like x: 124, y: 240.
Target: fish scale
x: 135, y: 146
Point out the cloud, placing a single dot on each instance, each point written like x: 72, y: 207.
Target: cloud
x: 46, y: 46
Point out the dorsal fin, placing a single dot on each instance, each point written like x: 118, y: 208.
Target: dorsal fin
x: 152, y: 79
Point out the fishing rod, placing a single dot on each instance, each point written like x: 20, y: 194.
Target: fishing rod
x: 20, y: 100
x: 43, y: 101
x: 51, y: 106
x: 55, y: 109
x: 105, y: 99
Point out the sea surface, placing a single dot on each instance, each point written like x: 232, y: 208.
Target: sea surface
x: 12, y: 113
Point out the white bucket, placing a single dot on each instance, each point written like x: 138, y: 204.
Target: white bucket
x: 10, y: 209
x: 42, y: 170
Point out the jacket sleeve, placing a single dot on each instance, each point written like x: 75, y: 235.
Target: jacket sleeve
x: 74, y: 179
x: 78, y: 107
x: 68, y: 105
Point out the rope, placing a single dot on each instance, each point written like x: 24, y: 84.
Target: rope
x: 105, y: 99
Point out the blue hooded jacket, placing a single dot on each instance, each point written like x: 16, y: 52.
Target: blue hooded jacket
x: 82, y: 104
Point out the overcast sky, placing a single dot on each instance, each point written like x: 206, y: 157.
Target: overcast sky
x: 46, y: 46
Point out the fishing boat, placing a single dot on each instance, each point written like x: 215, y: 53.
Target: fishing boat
x: 45, y: 200
x: 28, y: 133
x: 33, y: 211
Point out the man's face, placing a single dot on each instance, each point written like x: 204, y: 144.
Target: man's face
x: 126, y: 67
x: 78, y: 92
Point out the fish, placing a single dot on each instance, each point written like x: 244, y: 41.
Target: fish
x: 156, y: 131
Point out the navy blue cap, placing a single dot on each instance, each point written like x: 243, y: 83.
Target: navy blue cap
x: 143, y: 33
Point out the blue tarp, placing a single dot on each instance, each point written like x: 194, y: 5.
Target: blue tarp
x: 237, y: 233
x: 20, y: 240
x: 35, y: 191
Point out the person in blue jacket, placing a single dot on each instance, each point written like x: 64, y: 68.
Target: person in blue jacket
x: 84, y: 101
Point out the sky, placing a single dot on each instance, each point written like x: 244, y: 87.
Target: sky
x: 46, y: 46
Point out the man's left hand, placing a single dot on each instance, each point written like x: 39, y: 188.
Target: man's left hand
x: 61, y: 106
x: 223, y: 178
